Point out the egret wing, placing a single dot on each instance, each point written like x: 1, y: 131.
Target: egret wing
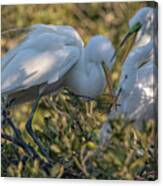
x: 42, y: 58
x: 63, y: 34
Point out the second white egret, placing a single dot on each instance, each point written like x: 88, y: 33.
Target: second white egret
x: 138, y: 81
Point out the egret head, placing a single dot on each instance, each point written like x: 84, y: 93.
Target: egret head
x: 144, y: 16
x: 100, y: 49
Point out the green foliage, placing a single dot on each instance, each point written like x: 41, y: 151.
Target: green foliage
x: 68, y: 126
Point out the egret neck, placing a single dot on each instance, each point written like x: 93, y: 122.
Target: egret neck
x: 87, y: 78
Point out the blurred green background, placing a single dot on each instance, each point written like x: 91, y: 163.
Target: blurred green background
x: 68, y: 127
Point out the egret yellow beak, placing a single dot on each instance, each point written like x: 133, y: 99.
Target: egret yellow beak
x: 108, y: 79
x: 133, y: 30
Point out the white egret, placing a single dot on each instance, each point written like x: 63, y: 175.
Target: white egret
x: 138, y: 81
x: 50, y: 58
x: 51, y: 54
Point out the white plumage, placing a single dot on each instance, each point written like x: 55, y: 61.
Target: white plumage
x: 52, y: 57
x: 138, y: 81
